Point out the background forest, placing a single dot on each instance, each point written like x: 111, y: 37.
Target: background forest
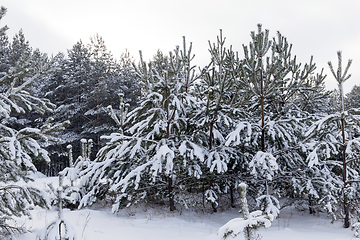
x: 166, y: 132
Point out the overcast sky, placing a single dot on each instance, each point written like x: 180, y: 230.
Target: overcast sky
x: 314, y: 27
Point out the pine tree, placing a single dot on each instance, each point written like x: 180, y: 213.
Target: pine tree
x: 352, y: 99
x: 313, y: 96
x: 268, y: 139
x: 220, y: 92
x: 4, y: 45
x: 73, y: 193
x: 333, y: 157
x: 67, y: 89
x: 18, y: 46
x: 130, y: 90
x: 156, y: 151
x: 90, y: 79
x: 19, y: 146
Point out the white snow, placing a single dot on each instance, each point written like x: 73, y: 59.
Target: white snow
x: 161, y: 224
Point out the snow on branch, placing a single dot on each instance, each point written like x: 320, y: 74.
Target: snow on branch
x: 264, y: 164
x: 242, y: 133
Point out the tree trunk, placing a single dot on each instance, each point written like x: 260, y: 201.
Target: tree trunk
x: 248, y: 231
x: 346, y: 204
x: 232, y: 195
x: 311, y: 205
x: 171, y: 197
x: 262, y: 108
x: 211, y: 134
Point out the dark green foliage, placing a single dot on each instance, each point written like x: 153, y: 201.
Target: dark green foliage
x: 352, y: 99
x: 88, y: 82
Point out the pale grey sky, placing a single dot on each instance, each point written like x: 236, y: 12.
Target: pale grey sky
x: 315, y: 27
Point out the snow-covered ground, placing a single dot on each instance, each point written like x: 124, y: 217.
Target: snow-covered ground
x: 161, y: 224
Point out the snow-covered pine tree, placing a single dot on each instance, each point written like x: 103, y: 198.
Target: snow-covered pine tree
x: 219, y: 90
x: 130, y: 89
x: 156, y: 153
x: 4, y: 46
x: 90, y: 79
x: 313, y: 97
x: 68, y: 89
x: 18, y: 147
x: 18, y: 46
x: 334, y: 148
x: 103, y: 87
x: 269, y: 138
x: 352, y: 99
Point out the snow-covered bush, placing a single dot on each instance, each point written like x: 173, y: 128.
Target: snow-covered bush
x: 249, y: 223
x: 356, y: 227
x: 73, y: 193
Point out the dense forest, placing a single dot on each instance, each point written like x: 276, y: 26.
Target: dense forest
x: 166, y: 132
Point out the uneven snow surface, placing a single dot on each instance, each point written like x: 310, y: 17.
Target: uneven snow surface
x: 161, y: 224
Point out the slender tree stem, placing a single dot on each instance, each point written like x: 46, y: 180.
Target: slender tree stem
x: 262, y: 107
x: 346, y: 205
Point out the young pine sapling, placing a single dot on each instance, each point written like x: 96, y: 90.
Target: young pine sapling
x: 249, y: 223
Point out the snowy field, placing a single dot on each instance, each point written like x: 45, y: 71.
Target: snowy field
x: 161, y: 224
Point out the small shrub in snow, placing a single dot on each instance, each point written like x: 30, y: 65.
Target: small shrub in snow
x: 59, y: 229
x: 249, y: 223
x: 356, y: 227
x: 72, y: 193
